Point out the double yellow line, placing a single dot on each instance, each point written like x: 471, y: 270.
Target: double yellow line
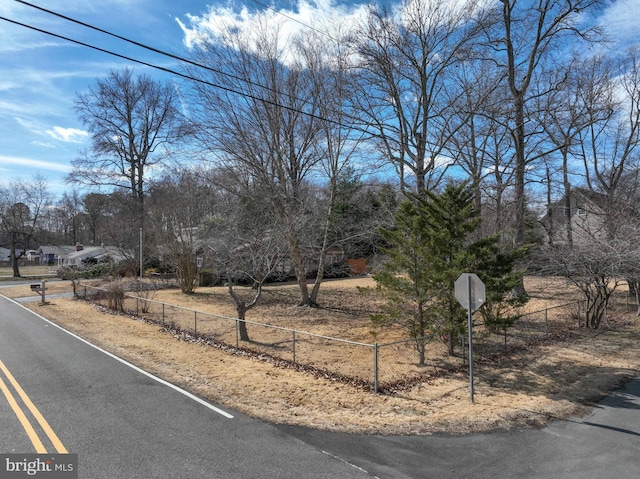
x: 20, y: 414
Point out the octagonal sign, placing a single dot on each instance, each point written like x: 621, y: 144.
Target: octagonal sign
x: 469, y: 290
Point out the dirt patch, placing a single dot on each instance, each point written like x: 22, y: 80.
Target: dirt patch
x: 531, y: 387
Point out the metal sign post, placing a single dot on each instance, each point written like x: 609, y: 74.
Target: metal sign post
x: 470, y: 292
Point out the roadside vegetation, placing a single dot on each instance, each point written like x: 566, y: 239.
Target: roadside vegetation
x: 529, y: 386
x: 305, y: 163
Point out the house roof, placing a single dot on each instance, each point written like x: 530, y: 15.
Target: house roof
x: 57, y: 251
x: 99, y: 252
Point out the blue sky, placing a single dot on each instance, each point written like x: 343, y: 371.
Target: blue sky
x: 40, y: 75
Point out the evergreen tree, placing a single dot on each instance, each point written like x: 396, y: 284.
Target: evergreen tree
x: 428, y: 250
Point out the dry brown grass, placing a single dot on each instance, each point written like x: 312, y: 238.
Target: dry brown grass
x: 553, y: 380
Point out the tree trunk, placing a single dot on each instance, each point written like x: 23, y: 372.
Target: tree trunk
x: 519, y: 190
x: 451, y: 342
x: 14, y: 258
x: 313, y: 299
x: 298, y: 266
x: 567, y: 196
x: 242, y: 324
x: 242, y: 307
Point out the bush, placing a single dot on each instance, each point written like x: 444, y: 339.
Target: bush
x: 100, y: 270
x: 115, y: 296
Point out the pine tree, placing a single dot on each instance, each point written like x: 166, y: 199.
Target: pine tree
x: 428, y: 250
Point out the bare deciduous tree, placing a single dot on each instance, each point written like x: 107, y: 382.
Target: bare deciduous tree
x: 263, y: 121
x: 245, y: 248
x: 404, y: 61
x: 22, y: 205
x: 178, y: 206
x: 328, y: 63
x: 131, y: 119
x: 611, y: 144
x: 524, y: 38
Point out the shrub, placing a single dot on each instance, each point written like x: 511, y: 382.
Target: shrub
x: 115, y: 296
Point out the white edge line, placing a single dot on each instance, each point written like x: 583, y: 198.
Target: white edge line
x: 346, y: 462
x: 132, y: 366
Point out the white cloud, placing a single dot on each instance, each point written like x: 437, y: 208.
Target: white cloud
x: 70, y: 135
x: 322, y: 15
x: 34, y: 164
x: 33, y: 126
x: 28, y: 45
x: 620, y: 21
x: 43, y: 144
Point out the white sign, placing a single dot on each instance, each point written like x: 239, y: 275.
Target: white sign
x: 469, y: 290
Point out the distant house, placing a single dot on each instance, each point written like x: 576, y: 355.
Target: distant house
x: 54, y: 255
x: 99, y: 254
x: 5, y: 254
x: 78, y: 255
x: 585, y: 211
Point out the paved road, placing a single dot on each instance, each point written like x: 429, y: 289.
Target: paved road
x: 603, y: 445
x: 124, y: 424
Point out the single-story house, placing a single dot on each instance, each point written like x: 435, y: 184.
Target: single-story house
x: 5, y: 254
x: 99, y: 254
x: 54, y: 255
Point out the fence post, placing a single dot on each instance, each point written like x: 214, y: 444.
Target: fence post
x: 546, y: 322
x: 137, y: 306
x: 579, y: 313
x: 375, y: 367
x: 237, y: 333
x: 294, y: 347
x: 626, y: 300
x: 163, y: 315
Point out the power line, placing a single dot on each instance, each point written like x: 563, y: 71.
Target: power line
x: 292, y: 19
x: 173, y: 72
x: 147, y: 47
x: 182, y: 59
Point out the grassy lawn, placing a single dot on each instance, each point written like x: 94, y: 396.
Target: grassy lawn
x: 27, y: 271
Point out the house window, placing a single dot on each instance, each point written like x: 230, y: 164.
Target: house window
x: 582, y: 211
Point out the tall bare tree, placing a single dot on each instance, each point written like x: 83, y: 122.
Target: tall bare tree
x: 327, y: 60
x: 262, y: 119
x: 404, y: 59
x: 573, y: 107
x: 524, y: 38
x: 22, y: 206
x: 131, y: 120
x: 480, y: 145
x: 611, y: 144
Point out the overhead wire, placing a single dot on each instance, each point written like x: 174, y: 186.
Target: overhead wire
x: 173, y: 72
x: 142, y: 45
x: 292, y: 18
x: 175, y: 57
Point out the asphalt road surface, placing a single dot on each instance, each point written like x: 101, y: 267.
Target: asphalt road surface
x: 123, y: 423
